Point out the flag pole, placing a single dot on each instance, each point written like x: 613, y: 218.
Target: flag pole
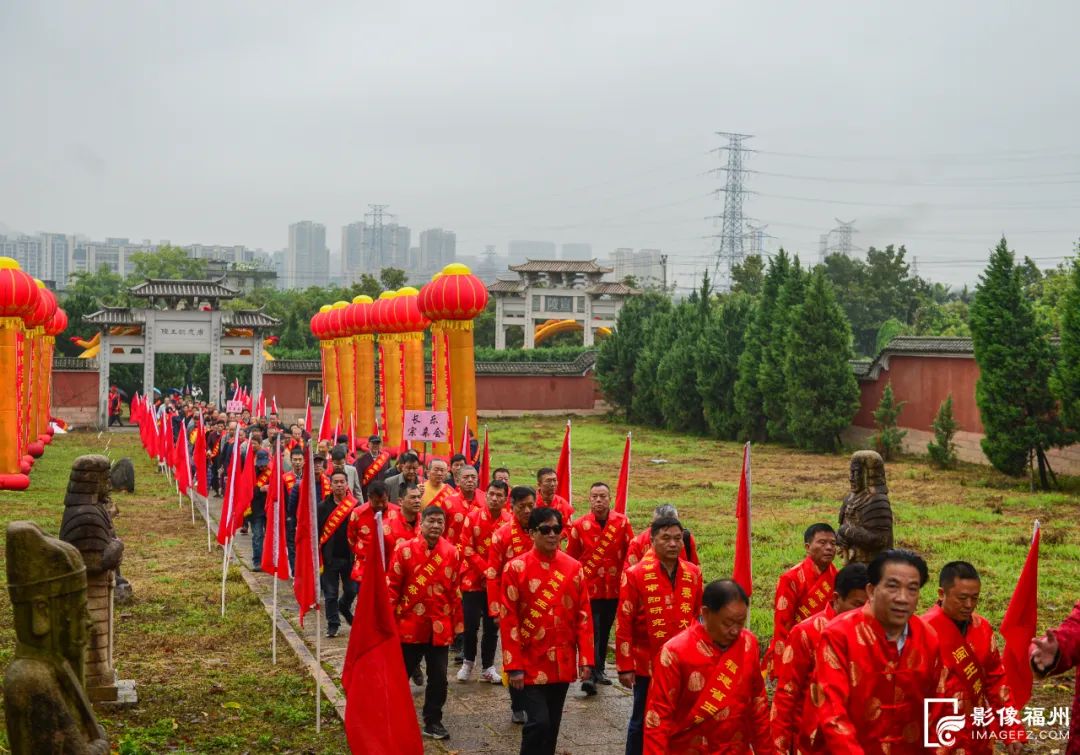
x: 318, y: 662
x: 209, y: 537
x: 273, y: 624
x: 191, y: 500
x: 224, y: 572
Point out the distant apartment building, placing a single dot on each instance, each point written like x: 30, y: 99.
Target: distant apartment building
x: 576, y: 251
x: 534, y: 250
x: 438, y: 248
x: 645, y: 266
x: 307, y: 260
x: 368, y: 248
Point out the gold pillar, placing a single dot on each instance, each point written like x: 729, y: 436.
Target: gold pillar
x: 331, y: 392
x: 12, y: 476
x: 438, y: 381
x: 346, y: 364
x: 462, y: 376
x: 393, y: 397
x: 364, y: 349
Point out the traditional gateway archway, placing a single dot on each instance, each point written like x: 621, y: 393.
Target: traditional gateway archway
x: 179, y: 317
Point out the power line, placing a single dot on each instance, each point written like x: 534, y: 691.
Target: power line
x: 730, y: 251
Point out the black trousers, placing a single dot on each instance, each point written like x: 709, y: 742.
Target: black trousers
x: 335, y: 571
x: 603, y: 617
x: 635, y: 731
x: 544, y: 707
x: 435, y: 657
x: 115, y: 419
x: 475, y: 607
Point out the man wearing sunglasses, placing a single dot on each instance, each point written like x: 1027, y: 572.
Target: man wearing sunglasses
x: 546, y: 629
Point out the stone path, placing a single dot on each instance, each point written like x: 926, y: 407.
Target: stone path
x: 476, y: 714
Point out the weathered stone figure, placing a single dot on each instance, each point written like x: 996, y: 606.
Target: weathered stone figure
x: 46, y: 708
x: 866, y: 522
x: 88, y: 526
x: 123, y: 475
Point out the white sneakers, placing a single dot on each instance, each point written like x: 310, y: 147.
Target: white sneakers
x: 491, y: 675
x: 465, y: 671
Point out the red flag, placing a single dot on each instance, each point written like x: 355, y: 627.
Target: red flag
x: 273, y: 405
x: 485, y: 464
x: 324, y: 422
x: 183, y: 464
x: 275, y: 558
x: 307, y: 418
x: 306, y: 580
x: 260, y: 405
x: 743, y: 574
x: 622, y: 488
x: 166, y: 454
x: 465, y: 444
x: 225, y: 528
x: 201, y: 485
x: 352, y: 439
x: 379, y: 712
x: 1018, y: 626
x: 135, y: 407
x: 563, y: 468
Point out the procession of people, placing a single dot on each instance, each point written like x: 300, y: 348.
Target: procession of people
x: 473, y: 565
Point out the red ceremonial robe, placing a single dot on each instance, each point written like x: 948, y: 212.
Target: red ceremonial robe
x: 457, y: 511
x: 400, y: 529
x: 642, y: 544
x: 869, y: 695
x: 508, y: 542
x: 707, y: 701
x: 793, y: 719
x: 561, y: 505
x: 544, y: 618
x: 361, y: 538
x: 601, y: 551
x: 424, y: 591
x: 801, y: 592
x: 974, y: 676
x: 1068, y: 637
x: 474, y: 545
x: 652, y: 610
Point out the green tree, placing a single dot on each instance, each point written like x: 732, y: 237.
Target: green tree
x: 1065, y: 381
x: 748, y: 276
x: 170, y: 262
x: 942, y: 449
x: 822, y: 394
x: 889, y: 330
x: 86, y: 294
x: 719, y: 349
x: 1015, y: 362
x: 645, y: 404
x: 771, y: 377
x: 619, y: 353
x: 291, y: 337
x: 748, y: 398
x: 392, y: 278
x: 889, y: 438
x: 676, y: 372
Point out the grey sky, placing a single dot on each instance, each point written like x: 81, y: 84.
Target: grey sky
x: 213, y: 122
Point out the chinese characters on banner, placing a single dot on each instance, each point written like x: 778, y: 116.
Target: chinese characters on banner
x: 426, y: 427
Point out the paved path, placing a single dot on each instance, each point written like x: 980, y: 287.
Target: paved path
x: 476, y: 714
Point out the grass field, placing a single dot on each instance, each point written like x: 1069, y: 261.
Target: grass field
x: 205, y: 684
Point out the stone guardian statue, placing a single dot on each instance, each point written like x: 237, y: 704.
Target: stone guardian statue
x: 45, y: 706
x: 866, y: 521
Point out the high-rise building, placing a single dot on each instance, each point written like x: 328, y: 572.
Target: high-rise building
x: 307, y: 259
x: 645, y: 266
x: 438, y: 248
x: 576, y: 251
x: 369, y: 247
x: 535, y: 250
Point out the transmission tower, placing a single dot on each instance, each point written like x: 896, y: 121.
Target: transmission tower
x: 377, y: 247
x: 757, y: 236
x: 730, y: 250
x: 843, y: 233
x: 823, y: 248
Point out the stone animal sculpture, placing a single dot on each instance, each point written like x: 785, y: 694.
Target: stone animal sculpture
x: 866, y: 520
x: 123, y: 475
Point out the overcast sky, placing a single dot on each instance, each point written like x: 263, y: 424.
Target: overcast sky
x: 937, y: 125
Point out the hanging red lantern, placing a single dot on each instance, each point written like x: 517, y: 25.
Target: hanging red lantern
x: 453, y: 294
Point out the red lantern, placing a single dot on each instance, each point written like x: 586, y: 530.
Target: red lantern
x: 360, y: 314
x: 18, y: 293
x: 382, y: 318
x: 335, y: 320
x: 318, y: 325
x: 406, y: 308
x: 453, y: 294
x: 45, y: 309
x: 58, y: 324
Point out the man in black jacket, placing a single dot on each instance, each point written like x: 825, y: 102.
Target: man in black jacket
x: 337, y: 558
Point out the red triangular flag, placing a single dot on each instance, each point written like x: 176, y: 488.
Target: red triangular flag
x: 743, y: 574
x: 485, y: 464
x: 225, y: 528
x: 183, y: 464
x: 622, y: 488
x: 563, y: 469
x: 273, y: 405
x: 307, y: 418
x: 1018, y: 626
x: 466, y: 446
x: 306, y: 581
x: 202, y: 486
x: 379, y: 715
x: 275, y: 557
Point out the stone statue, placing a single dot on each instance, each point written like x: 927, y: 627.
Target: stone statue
x: 87, y: 525
x: 866, y: 522
x: 45, y: 706
x: 123, y: 475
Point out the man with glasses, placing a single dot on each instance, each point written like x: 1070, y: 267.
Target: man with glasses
x: 546, y: 630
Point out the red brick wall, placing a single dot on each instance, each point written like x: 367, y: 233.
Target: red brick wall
x: 924, y: 382
x: 78, y: 390
x: 526, y: 393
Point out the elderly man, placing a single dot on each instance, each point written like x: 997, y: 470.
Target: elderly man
x: 408, y: 471
x: 640, y: 545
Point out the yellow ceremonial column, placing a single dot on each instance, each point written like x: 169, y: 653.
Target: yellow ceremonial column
x: 392, y: 397
x: 19, y: 298
x: 452, y: 300
x: 364, y: 349
x: 56, y: 326
x: 331, y: 396
x: 34, y: 348
x: 346, y: 363
x: 407, y: 317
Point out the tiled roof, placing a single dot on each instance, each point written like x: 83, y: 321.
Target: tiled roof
x: 560, y: 266
x: 248, y: 318
x: 74, y: 363
x: 506, y: 287
x: 241, y: 318
x: 929, y: 345
x: 617, y: 289
x: 580, y: 366
x: 209, y: 289
x: 295, y: 365
x: 861, y: 367
x: 114, y: 316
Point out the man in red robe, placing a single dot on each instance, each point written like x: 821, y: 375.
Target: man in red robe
x: 875, y: 666
x: 474, y: 546
x: 459, y: 504
x: 804, y: 589
x: 423, y: 585
x: 361, y: 531
x: 599, y: 540
x: 546, y: 630
x: 508, y: 542
x: 405, y: 520
x: 641, y: 544
x: 1055, y: 653
x: 547, y: 482
x: 975, y: 676
x: 659, y: 597
x: 793, y: 719
x: 707, y: 696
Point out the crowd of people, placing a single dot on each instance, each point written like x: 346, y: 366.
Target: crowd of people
x: 473, y: 564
